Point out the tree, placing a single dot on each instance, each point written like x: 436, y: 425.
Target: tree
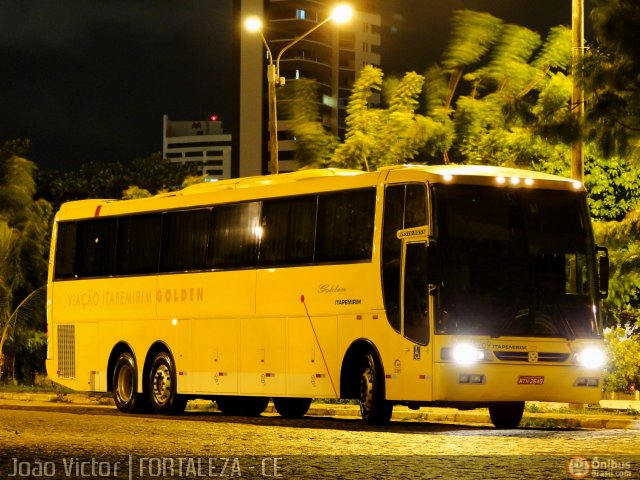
x: 24, y: 249
x: 622, y: 373
x: 132, y: 192
x: 361, y: 121
x: 377, y: 137
x: 611, y: 70
x: 300, y: 111
x: 109, y: 180
x: 513, y: 107
x: 26, y: 340
x: 613, y: 184
x: 623, y: 240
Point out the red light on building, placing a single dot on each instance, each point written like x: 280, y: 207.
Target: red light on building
x: 213, y: 118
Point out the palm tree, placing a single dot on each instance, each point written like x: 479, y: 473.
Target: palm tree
x: 24, y: 248
x: 9, y: 242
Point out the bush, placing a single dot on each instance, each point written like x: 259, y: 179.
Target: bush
x: 622, y: 373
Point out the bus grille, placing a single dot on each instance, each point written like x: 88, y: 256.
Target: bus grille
x: 507, y: 356
x: 66, y: 351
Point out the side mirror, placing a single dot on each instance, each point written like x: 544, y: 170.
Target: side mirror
x: 603, y: 271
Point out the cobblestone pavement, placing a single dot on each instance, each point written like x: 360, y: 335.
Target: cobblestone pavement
x: 69, y: 441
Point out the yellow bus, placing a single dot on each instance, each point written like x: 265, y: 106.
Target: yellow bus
x: 459, y: 286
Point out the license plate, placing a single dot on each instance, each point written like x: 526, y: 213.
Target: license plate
x: 530, y: 380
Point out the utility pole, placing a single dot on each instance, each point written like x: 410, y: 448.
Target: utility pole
x: 577, y: 97
x: 272, y: 80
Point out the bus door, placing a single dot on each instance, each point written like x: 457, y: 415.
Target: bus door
x: 416, y: 308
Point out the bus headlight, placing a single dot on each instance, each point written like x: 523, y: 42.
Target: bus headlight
x: 591, y: 357
x: 466, y: 354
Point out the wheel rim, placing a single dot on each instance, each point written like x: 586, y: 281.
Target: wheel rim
x: 366, y: 391
x: 124, y: 387
x: 162, y: 385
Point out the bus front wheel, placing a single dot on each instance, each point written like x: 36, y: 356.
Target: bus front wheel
x: 292, y: 407
x: 374, y: 409
x: 125, y: 385
x: 506, y: 415
x: 163, y: 386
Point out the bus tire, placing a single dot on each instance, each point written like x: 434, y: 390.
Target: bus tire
x: 292, y: 407
x: 374, y: 409
x: 125, y: 386
x: 163, y: 386
x: 506, y: 415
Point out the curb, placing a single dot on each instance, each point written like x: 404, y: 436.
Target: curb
x: 400, y: 413
x: 481, y: 416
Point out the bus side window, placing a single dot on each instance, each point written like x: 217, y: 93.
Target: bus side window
x: 138, y: 244
x: 288, y: 235
x: 184, y: 240
x: 95, y: 248
x: 65, y: 250
x: 234, y: 236
x: 345, y: 226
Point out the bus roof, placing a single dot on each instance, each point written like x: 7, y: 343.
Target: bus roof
x: 476, y: 174
x: 264, y: 180
x: 481, y: 171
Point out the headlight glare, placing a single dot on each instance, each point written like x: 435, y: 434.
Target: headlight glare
x: 591, y: 357
x: 466, y: 354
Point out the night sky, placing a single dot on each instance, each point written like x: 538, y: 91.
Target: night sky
x: 89, y: 80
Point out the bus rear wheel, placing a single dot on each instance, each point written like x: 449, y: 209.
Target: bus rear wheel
x: 292, y: 407
x: 125, y: 385
x: 506, y: 415
x: 163, y: 386
x: 374, y: 409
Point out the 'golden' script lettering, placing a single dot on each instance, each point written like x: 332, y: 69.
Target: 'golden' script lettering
x: 180, y: 295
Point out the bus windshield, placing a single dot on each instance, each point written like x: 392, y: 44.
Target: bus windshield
x: 516, y: 262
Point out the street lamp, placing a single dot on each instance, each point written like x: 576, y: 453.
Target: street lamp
x: 340, y: 14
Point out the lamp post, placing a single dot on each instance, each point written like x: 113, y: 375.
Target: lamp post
x: 340, y: 14
x: 577, y: 97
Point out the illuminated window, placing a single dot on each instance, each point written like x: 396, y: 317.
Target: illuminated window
x: 233, y: 236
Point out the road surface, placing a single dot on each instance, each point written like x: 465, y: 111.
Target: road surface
x: 70, y: 441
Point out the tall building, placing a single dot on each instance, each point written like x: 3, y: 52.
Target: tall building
x: 198, y: 142
x: 332, y: 55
